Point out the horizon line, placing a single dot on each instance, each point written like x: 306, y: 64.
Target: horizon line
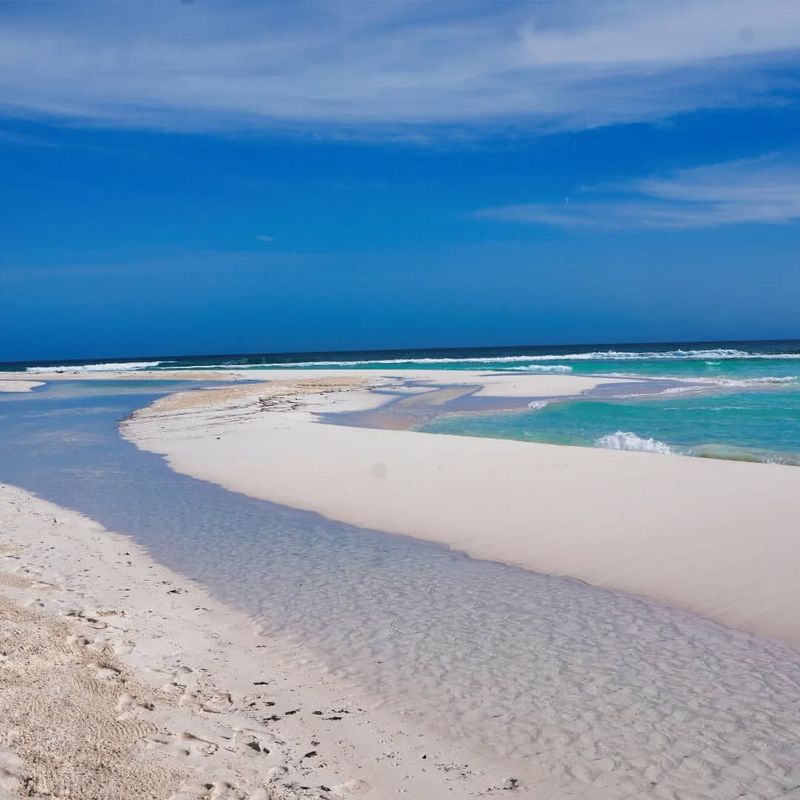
x: 284, y: 353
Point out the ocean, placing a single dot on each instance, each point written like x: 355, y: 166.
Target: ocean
x: 736, y: 399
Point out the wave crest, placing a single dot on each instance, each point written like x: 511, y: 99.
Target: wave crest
x: 721, y: 354
x: 543, y: 369
x: 768, y: 380
x: 627, y: 440
x: 125, y: 366
x: 532, y: 362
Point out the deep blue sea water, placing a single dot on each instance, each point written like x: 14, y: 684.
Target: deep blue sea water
x: 731, y: 359
x: 741, y: 399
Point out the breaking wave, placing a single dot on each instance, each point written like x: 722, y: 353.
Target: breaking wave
x: 537, y: 405
x: 527, y: 362
x: 626, y: 440
x: 768, y: 380
x: 544, y: 369
x: 125, y: 366
x: 599, y: 355
x: 698, y: 385
x: 534, y: 363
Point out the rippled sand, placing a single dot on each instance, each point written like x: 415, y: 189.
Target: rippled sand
x: 121, y: 680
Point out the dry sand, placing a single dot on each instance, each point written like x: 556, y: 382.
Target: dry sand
x: 714, y: 537
x: 120, y: 680
x: 506, y: 384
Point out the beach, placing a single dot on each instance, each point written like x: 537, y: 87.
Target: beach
x: 679, y: 530
x: 18, y: 385
x: 640, y: 643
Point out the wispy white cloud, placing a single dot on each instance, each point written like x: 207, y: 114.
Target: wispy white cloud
x: 391, y: 63
x: 757, y: 191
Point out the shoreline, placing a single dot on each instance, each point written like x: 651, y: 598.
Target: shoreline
x: 505, y: 681
x: 187, y: 698
x: 18, y: 385
x: 489, y: 382
x: 675, y: 529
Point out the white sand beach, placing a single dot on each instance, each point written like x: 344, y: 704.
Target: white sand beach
x: 120, y: 680
x: 608, y: 696
x: 18, y: 385
x: 710, y: 536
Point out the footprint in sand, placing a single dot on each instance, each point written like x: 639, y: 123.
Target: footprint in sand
x: 252, y: 740
x: 124, y: 647
x: 274, y: 774
x: 198, y: 745
x: 75, y: 640
x: 218, y: 703
x: 354, y: 786
x: 129, y: 707
x: 185, y: 743
x: 107, y: 673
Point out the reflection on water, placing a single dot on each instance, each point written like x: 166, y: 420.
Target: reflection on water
x: 597, y: 686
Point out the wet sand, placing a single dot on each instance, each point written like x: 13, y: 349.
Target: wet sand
x: 121, y: 680
x: 18, y: 385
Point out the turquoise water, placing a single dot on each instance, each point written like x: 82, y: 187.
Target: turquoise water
x: 758, y: 425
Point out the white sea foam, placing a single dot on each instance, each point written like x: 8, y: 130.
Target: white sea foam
x: 626, y: 440
x: 744, y: 382
x: 700, y: 384
x: 599, y: 355
x: 125, y: 366
x: 722, y: 354
x: 673, y: 390
x: 537, y: 366
x: 537, y: 405
x: 544, y: 369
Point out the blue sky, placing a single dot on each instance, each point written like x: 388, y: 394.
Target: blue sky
x: 250, y: 176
